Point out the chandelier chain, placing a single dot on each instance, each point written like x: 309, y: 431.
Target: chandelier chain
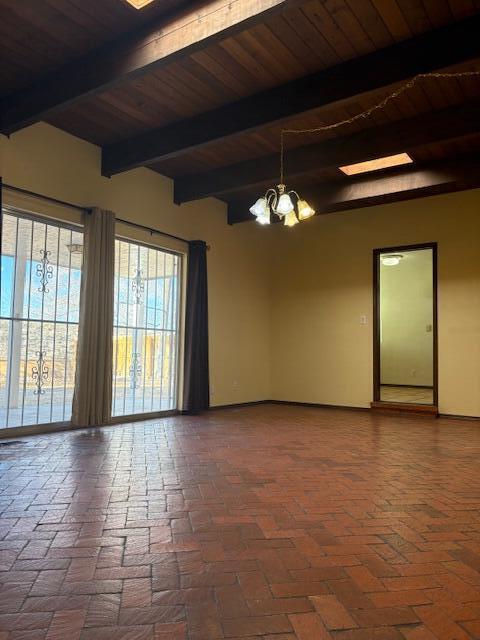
x: 368, y: 112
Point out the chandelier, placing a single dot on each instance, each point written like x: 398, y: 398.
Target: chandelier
x: 288, y: 205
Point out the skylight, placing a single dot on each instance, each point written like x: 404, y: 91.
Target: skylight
x: 375, y: 165
x: 139, y: 4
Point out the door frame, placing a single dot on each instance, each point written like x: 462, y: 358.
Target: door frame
x: 376, y: 313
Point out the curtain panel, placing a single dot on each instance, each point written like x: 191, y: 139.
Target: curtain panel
x: 92, y: 399
x: 196, y: 392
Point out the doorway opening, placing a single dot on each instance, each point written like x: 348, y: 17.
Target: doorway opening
x: 405, y: 328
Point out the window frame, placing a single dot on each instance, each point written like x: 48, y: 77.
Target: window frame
x: 179, y: 329
x: 60, y: 223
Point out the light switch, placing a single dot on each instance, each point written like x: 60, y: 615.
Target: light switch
x: 363, y: 319
x: 428, y: 328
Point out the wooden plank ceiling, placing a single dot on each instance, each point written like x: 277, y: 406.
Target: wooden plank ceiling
x: 296, y: 40
x: 38, y: 36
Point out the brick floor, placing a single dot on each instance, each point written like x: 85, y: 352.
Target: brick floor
x: 272, y: 522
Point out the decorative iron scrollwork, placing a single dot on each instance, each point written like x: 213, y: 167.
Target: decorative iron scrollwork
x: 135, y: 370
x: 138, y: 286
x: 40, y: 373
x: 44, y: 271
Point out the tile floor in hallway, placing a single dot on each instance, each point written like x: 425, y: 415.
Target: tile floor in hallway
x: 412, y: 395
x: 270, y: 522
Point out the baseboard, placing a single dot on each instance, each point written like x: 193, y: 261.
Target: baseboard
x: 57, y: 427
x: 454, y: 416
x: 138, y: 417
x: 34, y: 430
x: 293, y: 403
x: 40, y: 429
x: 239, y: 405
x: 317, y: 405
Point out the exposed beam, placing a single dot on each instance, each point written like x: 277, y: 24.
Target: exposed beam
x: 390, y: 186
x: 394, y: 137
x: 134, y: 54
x: 424, y: 53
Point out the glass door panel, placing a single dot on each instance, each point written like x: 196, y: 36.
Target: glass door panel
x: 145, y: 334
x: 41, y: 266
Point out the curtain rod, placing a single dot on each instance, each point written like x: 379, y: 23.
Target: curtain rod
x: 70, y: 205
x: 40, y: 195
x: 150, y: 230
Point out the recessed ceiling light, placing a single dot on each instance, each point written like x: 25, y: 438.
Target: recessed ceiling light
x: 391, y: 259
x: 139, y: 4
x: 378, y: 163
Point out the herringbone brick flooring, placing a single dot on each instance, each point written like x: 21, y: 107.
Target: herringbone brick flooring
x: 270, y: 522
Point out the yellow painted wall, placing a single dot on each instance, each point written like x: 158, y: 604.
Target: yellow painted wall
x: 323, y: 284
x: 47, y: 160
x: 285, y: 304
x: 406, y: 320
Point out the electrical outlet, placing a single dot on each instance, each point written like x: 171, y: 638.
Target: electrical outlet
x: 235, y: 384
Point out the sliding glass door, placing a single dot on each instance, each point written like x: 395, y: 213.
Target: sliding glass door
x: 41, y: 268
x: 145, y: 333
x: 41, y: 265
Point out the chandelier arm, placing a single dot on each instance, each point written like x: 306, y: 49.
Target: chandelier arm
x: 271, y: 198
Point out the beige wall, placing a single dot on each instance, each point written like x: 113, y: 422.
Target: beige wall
x: 323, y: 285
x: 47, y: 160
x: 406, y: 320
x: 285, y: 304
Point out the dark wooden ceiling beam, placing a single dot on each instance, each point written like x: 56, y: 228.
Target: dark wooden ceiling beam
x: 404, y: 135
x: 203, y: 23
x: 390, y: 186
x: 456, y: 43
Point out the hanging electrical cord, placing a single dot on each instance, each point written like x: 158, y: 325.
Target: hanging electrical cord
x: 368, y: 112
x: 279, y: 201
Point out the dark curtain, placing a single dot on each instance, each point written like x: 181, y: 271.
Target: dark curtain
x: 1, y: 230
x: 196, y: 376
